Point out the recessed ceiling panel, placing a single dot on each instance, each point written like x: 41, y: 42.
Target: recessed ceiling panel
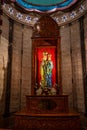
x: 45, y: 5
x: 44, y: 2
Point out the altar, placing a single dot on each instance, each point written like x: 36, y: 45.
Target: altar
x: 47, y: 107
x: 50, y: 112
x: 47, y: 104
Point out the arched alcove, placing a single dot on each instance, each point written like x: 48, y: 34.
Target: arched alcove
x: 46, y: 107
x: 45, y: 48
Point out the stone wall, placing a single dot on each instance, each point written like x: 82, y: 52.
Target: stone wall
x: 72, y: 73
x: 66, y: 65
x: 21, y: 66
x: 85, y: 76
x: 85, y: 38
x: 71, y: 66
x: 3, y: 62
x: 78, y: 88
x: 16, y: 68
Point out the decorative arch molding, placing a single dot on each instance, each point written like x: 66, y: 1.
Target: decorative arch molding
x: 42, y: 28
x: 60, y: 17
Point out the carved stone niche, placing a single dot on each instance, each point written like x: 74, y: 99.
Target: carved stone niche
x: 46, y: 59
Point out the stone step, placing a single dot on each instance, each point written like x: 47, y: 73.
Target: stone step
x: 4, y: 129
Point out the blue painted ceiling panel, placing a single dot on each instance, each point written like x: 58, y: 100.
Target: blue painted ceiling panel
x: 45, y: 5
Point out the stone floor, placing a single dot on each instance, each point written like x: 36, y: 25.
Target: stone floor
x: 5, y: 129
x: 83, y: 122
x: 7, y: 123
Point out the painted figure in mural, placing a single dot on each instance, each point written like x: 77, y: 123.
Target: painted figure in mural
x: 46, y: 70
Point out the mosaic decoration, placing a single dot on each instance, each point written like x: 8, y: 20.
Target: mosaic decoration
x: 45, y: 5
x: 31, y: 19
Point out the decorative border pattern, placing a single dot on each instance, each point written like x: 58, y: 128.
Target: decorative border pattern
x: 60, y: 17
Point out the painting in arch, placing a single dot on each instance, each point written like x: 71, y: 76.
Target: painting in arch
x: 46, y: 63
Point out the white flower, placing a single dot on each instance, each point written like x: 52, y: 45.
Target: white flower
x: 10, y: 10
x: 64, y: 18
x: 81, y: 9
x: 19, y: 16
x: 53, y: 91
x: 28, y: 19
x: 39, y: 91
x: 56, y: 19
x: 4, y: 5
x: 73, y: 14
x: 35, y: 19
